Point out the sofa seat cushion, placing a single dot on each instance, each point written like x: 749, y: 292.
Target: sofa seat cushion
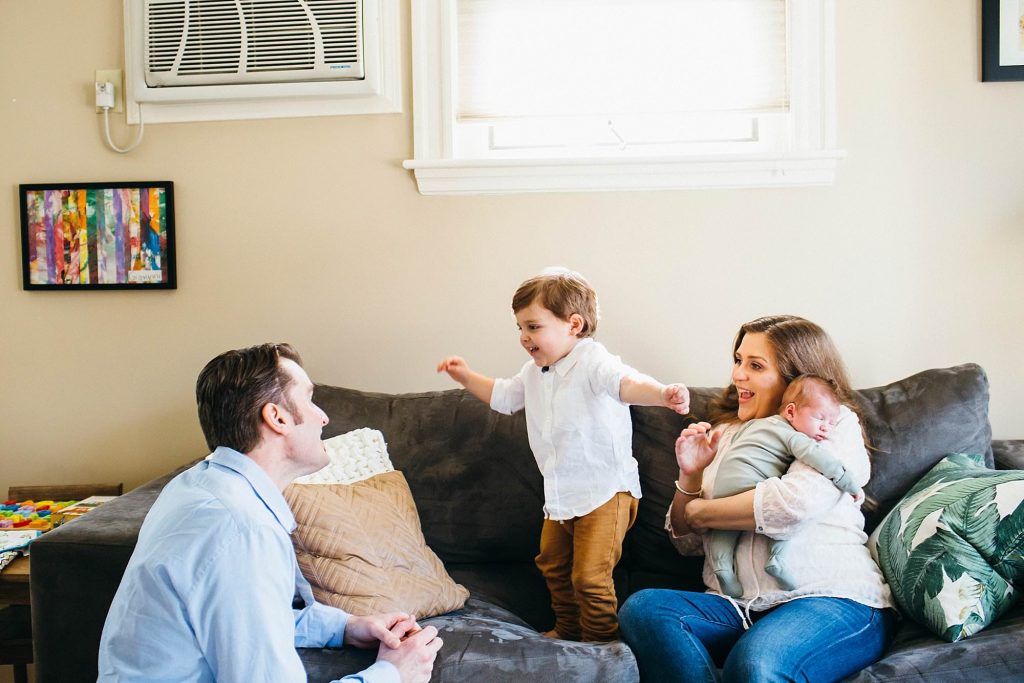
x: 951, y: 549
x: 996, y: 655
x: 515, y: 586
x: 483, y: 642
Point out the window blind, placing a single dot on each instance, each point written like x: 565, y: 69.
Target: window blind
x: 526, y: 58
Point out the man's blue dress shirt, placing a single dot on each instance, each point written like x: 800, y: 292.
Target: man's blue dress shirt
x: 207, y: 595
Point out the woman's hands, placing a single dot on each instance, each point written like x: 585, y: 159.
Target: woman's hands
x: 696, y: 447
x: 695, y: 451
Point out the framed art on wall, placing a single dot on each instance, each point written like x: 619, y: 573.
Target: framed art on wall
x: 117, y: 235
x: 1002, y: 40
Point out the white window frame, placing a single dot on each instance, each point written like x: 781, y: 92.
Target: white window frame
x: 379, y: 92
x: 810, y: 160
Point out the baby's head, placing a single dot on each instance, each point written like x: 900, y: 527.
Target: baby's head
x: 810, y: 404
x: 554, y: 310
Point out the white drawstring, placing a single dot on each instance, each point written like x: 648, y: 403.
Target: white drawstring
x: 743, y: 618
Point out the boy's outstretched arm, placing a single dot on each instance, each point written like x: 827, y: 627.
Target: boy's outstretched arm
x: 644, y: 391
x: 479, y: 385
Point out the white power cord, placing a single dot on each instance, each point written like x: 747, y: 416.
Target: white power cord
x: 105, y: 101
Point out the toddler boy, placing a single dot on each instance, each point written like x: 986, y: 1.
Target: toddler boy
x: 577, y: 396
x: 765, y: 448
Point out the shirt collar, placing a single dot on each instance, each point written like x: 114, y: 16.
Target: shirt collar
x: 261, y: 484
x: 563, y: 366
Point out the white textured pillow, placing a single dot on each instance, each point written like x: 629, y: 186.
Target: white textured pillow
x: 355, y: 456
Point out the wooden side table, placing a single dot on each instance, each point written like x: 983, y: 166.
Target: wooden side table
x: 15, y: 647
x: 14, y: 588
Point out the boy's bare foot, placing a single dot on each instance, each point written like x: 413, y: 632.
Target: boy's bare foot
x: 553, y: 633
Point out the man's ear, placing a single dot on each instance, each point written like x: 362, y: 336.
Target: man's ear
x: 274, y: 418
x: 576, y: 324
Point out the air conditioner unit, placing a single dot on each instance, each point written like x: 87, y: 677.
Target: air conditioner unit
x: 219, y: 42
x: 190, y: 60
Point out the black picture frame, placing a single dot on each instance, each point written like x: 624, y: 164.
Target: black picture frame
x: 126, y: 230
x: 992, y: 21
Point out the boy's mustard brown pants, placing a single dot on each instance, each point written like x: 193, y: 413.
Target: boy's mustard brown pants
x: 577, y: 557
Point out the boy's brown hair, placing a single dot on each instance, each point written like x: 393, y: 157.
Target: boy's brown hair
x: 563, y: 292
x: 806, y: 388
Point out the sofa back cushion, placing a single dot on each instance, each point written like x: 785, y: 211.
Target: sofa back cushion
x: 480, y: 495
x: 647, y: 548
x: 476, y: 485
x: 917, y: 421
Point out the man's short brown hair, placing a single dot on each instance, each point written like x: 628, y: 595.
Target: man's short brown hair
x: 563, y: 292
x: 233, y: 388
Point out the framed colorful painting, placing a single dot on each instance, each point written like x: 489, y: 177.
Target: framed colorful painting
x: 1002, y: 40
x: 98, y: 235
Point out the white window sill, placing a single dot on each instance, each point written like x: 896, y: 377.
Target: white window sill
x: 503, y: 176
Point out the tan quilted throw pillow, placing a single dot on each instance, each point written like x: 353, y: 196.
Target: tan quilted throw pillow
x: 361, y: 547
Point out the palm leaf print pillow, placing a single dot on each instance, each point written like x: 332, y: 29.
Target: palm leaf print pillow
x: 951, y: 549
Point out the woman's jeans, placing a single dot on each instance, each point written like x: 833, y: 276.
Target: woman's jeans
x: 684, y: 636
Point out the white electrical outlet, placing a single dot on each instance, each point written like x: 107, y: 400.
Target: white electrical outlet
x: 111, y: 76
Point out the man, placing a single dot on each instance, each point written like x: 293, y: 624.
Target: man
x: 208, y: 593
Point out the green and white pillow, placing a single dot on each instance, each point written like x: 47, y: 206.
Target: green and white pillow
x: 952, y: 548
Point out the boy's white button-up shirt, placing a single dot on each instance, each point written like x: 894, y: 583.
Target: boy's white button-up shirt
x: 580, y: 432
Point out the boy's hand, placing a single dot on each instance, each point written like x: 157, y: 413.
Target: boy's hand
x: 456, y: 368
x: 676, y: 397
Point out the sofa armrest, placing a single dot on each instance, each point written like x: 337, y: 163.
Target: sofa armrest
x: 75, y: 571
x: 1008, y: 454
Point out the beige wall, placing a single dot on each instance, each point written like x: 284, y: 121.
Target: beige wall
x: 308, y: 230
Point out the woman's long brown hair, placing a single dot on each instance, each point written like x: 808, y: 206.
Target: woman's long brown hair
x: 800, y: 348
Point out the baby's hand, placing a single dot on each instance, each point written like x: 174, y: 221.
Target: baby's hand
x: 676, y: 397
x: 456, y: 368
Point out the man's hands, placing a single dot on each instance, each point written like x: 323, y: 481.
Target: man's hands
x: 676, y: 397
x: 415, y: 652
x: 409, y: 648
x: 366, y: 632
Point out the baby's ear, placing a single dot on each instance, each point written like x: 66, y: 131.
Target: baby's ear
x: 789, y: 411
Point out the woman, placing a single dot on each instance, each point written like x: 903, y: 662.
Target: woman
x: 836, y: 621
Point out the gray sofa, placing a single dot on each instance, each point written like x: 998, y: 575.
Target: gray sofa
x: 479, y: 497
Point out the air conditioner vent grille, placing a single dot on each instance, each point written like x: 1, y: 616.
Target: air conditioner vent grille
x: 191, y: 42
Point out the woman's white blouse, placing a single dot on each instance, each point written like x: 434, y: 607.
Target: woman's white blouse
x: 825, y: 553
